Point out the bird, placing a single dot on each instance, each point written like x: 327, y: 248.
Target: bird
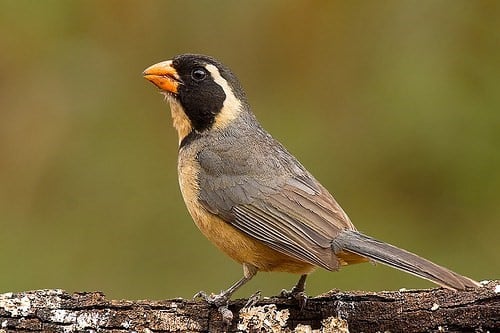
x: 251, y: 197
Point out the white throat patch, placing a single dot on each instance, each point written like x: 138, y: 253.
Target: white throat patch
x: 182, y: 124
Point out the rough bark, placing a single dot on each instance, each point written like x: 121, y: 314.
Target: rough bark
x: 434, y: 310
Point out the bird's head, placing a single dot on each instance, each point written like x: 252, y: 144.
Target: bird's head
x: 203, y: 93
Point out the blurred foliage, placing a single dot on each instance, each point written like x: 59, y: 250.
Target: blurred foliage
x: 393, y: 105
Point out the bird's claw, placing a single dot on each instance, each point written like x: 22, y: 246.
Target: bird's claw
x: 299, y: 296
x: 217, y: 300
x: 252, y: 300
x: 200, y: 294
x: 220, y: 301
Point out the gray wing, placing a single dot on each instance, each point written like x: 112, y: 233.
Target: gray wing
x: 274, y: 200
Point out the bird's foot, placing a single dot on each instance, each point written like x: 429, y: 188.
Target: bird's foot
x: 217, y: 300
x: 220, y: 301
x: 298, y: 295
x: 252, y: 300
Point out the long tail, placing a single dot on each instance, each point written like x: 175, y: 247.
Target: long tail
x: 371, y: 248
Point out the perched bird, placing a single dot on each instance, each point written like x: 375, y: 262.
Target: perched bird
x: 252, y: 198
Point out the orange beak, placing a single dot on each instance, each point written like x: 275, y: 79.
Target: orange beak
x: 163, y: 75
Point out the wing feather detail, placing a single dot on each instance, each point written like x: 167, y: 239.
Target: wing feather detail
x: 272, y: 199
x: 299, y: 220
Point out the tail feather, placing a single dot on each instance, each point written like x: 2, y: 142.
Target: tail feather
x: 371, y: 248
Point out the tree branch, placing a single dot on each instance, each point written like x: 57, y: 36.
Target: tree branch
x: 434, y: 310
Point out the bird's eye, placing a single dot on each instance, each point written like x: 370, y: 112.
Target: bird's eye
x: 198, y: 74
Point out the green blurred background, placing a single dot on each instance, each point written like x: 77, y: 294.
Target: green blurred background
x: 393, y: 106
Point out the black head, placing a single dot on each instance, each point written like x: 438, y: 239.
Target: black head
x: 202, y: 86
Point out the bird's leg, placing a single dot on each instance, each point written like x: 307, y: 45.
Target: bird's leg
x: 221, y: 300
x: 297, y: 292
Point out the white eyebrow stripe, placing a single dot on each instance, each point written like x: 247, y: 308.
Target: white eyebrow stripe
x: 232, y: 105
